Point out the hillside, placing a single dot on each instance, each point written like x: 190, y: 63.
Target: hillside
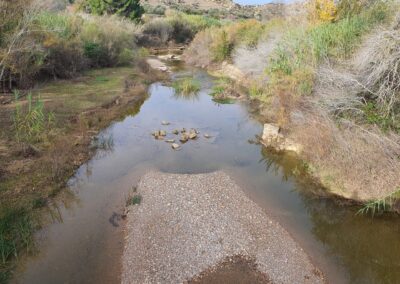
x: 222, y: 8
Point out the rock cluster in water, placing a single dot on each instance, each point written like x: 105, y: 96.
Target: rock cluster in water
x: 185, y: 135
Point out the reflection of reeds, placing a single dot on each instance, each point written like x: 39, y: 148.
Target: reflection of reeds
x: 16, y: 234
x: 104, y: 144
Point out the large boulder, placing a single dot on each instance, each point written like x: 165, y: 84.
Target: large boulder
x: 272, y: 137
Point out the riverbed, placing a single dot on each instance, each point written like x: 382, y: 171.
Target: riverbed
x: 84, y: 242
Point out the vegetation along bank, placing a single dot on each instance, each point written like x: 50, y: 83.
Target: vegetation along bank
x: 325, y: 79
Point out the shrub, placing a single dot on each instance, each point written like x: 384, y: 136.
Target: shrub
x: 108, y: 41
x: 220, y: 41
x: 130, y: 9
x: 222, y: 47
x: 291, y: 66
x: 31, y: 124
x: 177, y: 27
x: 157, y: 10
x: 159, y: 29
x: 322, y: 10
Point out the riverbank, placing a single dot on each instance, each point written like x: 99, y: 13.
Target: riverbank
x: 315, y: 89
x: 33, y: 173
x: 186, y: 224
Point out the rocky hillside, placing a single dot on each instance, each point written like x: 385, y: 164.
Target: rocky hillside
x: 219, y: 8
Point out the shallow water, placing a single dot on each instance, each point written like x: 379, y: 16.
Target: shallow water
x: 85, y: 242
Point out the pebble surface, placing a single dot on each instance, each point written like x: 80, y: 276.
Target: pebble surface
x: 187, y: 224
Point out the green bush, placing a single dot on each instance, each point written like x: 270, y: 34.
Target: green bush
x: 223, y: 47
x: 130, y: 9
x: 177, y: 27
x: 107, y: 40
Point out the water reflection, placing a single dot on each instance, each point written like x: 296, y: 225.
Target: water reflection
x: 368, y: 248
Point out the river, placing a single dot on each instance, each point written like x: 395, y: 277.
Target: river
x: 85, y: 242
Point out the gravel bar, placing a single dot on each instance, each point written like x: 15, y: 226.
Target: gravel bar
x: 187, y: 224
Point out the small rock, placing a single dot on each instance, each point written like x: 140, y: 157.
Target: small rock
x: 175, y: 146
x: 165, y: 122
x: 176, y: 132
x: 163, y: 133
x: 192, y: 135
x: 170, y: 140
x: 206, y: 135
x: 184, y: 138
x: 183, y: 130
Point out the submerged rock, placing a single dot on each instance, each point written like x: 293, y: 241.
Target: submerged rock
x: 184, y: 137
x: 192, y: 134
x: 170, y: 140
x: 206, y: 135
x: 175, y: 146
x: 159, y: 134
x: 165, y: 122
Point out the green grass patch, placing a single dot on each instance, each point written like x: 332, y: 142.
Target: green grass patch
x: 134, y: 200
x: 186, y: 86
x: 373, y: 115
x: 292, y: 65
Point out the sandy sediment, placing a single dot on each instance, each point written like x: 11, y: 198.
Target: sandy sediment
x: 187, y: 224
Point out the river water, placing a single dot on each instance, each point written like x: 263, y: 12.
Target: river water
x: 85, y: 241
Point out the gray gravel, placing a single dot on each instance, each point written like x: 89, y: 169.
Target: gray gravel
x: 186, y: 224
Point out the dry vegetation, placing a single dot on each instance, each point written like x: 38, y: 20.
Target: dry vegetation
x: 331, y: 83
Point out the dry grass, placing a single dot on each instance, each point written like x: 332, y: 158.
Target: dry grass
x: 355, y: 153
x: 351, y: 156
x: 379, y: 66
x: 199, y: 53
x: 353, y: 161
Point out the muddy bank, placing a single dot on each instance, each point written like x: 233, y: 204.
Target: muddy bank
x: 186, y: 224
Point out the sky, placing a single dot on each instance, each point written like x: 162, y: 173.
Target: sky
x: 256, y: 2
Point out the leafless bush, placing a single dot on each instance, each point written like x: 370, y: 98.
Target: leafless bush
x: 253, y: 61
x: 18, y: 48
x: 199, y: 52
x: 355, y: 161
x: 337, y: 91
x: 53, y: 5
x: 379, y: 64
x: 158, y: 29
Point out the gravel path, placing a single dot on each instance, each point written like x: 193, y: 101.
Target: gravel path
x: 187, y: 224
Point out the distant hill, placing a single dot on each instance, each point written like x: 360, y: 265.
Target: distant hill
x: 222, y: 8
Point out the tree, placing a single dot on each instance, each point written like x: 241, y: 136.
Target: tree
x: 130, y: 9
